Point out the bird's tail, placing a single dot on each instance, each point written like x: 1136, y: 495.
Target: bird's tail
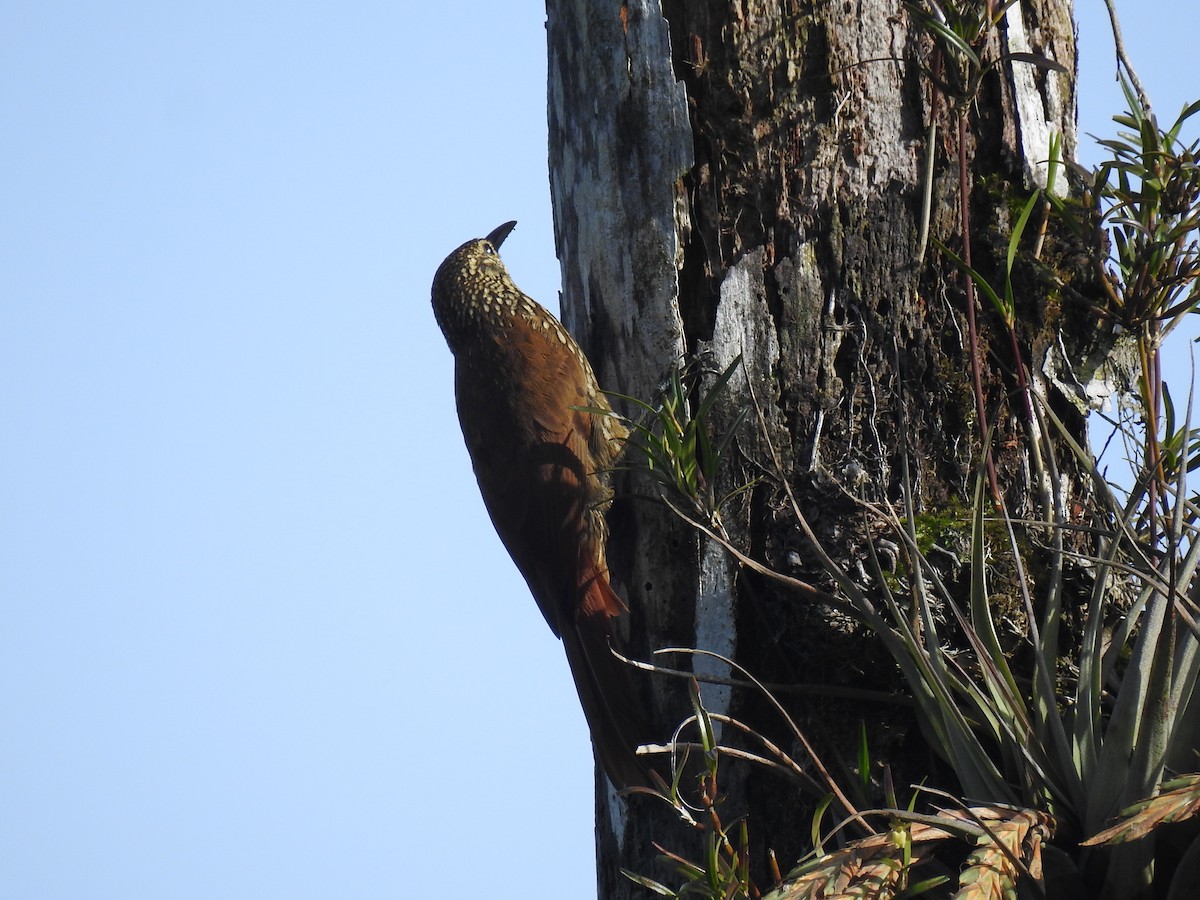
x: 615, y: 711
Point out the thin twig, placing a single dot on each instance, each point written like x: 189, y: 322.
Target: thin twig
x: 754, y: 565
x: 834, y: 788
x: 815, y: 690
x: 1123, y: 56
x: 796, y: 775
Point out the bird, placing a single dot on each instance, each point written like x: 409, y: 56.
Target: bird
x: 543, y: 440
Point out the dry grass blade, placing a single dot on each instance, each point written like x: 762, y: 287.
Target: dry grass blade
x: 1179, y: 800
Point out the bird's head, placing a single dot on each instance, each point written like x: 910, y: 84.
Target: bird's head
x: 472, y: 282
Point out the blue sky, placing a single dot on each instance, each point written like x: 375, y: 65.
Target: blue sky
x: 257, y: 637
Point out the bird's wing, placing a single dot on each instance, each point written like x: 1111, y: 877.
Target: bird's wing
x: 528, y: 448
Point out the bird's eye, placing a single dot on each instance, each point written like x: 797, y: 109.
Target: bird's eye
x: 489, y: 249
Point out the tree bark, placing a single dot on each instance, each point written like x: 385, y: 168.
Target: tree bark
x: 746, y: 178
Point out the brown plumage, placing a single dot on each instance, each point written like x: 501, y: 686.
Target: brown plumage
x: 542, y: 466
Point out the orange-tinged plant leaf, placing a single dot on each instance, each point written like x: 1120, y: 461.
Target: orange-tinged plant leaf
x: 1178, y: 800
x: 1008, y: 850
x: 867, y: 868
x: 873, y: 866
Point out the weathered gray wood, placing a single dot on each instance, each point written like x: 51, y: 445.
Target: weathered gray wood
x: 620, y: 143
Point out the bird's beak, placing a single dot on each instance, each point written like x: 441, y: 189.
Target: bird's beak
x: 496, y: 238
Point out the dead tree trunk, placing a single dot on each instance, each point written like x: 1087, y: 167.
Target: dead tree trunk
x: 746, y: 178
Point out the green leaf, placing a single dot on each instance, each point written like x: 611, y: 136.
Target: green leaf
x: 864, y: 760
x: 982, y: 283
x: 658, y: 888
x: 815, y: 829
x: 1036, y: 59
